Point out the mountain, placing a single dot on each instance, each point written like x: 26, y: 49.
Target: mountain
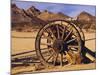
x: 32, y: 11
x: 87, y: 20
x: 17, y: 15
x: 84, y: 16
x: 22, y: 19
x: 46, y: 16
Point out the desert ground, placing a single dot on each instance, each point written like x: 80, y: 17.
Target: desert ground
x: 25, y: 41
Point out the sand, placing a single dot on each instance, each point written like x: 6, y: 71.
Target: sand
x: 21, y: 44
x: 25, y: 41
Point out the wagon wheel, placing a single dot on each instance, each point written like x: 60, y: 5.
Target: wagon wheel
x: 57, y: 43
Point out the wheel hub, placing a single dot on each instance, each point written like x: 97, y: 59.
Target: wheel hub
x: 59, y: 45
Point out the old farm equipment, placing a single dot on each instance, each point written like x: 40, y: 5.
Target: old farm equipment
x: 60, y: 42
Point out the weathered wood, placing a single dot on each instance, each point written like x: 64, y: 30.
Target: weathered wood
x: 90, y: 57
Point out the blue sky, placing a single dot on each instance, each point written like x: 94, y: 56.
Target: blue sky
x: 68, y: 9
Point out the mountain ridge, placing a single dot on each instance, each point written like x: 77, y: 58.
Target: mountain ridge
x: 33, y: 17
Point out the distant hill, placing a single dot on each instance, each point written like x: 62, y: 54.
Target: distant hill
x: 24, y: 19
x: 86, y: 17
x: 46, y: 16
x: 87, y: 20
x: 18, y: 16
x: 33, y: 18
x: 32, y: 11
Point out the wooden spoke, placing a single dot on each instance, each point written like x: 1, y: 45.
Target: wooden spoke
x: 47, y: 37
x: 74, y: 48
x: 61, y: 28
x: 58, y: 32
x: 52, y: 33
x: 68, y: 34
x: 71, y: 46
x: 50, y: 49
x: 63, y: 32
x: 49, y: 33
x: 52, y: 55
x: 61, y: 59
x: 69, y: 41
x: 55, y: 58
